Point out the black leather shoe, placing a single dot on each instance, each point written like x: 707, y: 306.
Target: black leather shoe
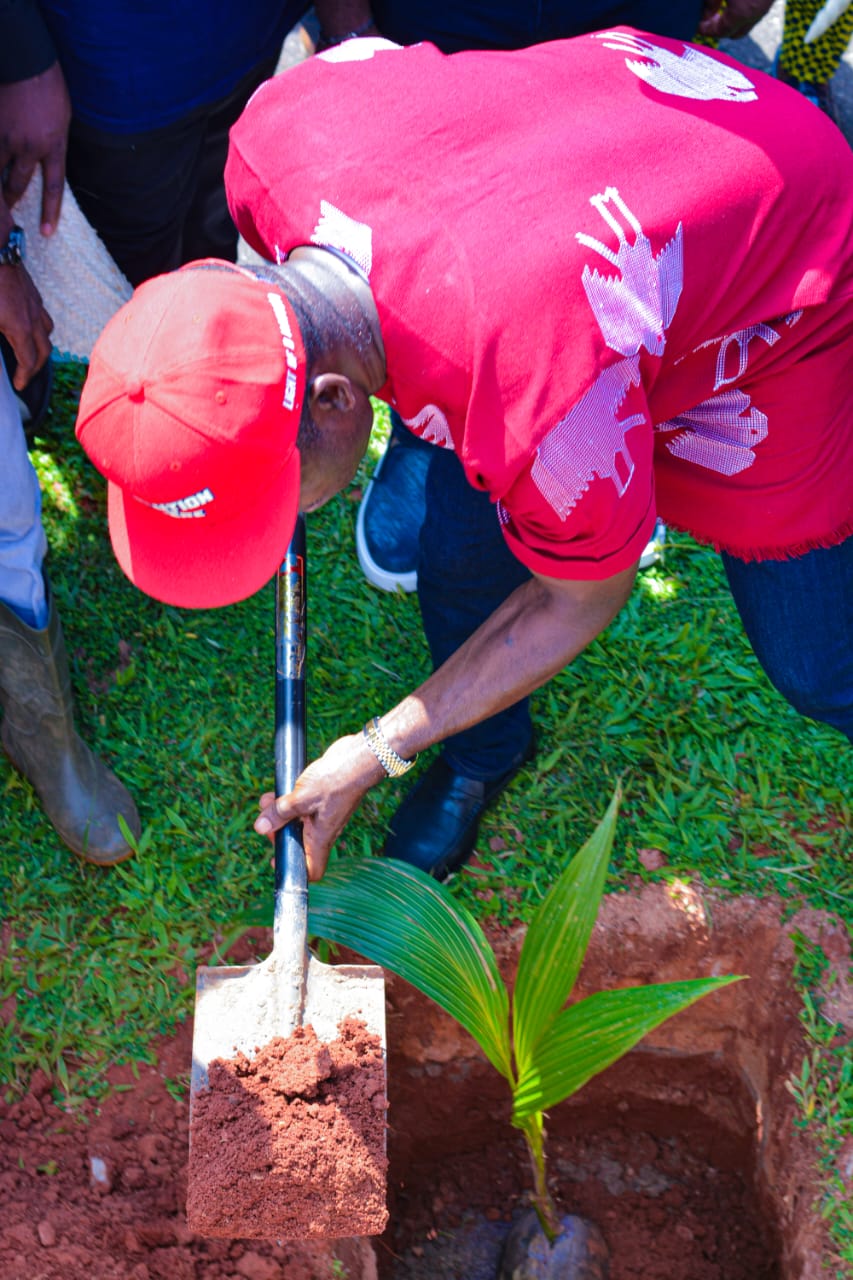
x: 436, y: 826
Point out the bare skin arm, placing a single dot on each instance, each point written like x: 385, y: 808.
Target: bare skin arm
x: 536, y: 632
x: 733, y: 19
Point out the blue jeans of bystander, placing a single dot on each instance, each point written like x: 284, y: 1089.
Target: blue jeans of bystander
x: 22, y: 541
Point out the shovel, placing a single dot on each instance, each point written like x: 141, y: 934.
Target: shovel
x: 238, y: 1184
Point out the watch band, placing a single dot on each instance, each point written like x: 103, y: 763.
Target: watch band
x: 395, y: 766
x: 12, y: 252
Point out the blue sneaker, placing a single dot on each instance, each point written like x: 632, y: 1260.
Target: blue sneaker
x: 392, y: 511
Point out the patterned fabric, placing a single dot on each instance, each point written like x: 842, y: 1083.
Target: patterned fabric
x: 817, y: 62
x: 613, y: 274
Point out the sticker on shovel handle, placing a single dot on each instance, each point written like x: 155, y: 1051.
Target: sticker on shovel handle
x: 290, y: 650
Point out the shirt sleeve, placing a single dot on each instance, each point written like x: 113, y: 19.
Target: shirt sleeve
x: 26, y: 48
x: 584, y: 505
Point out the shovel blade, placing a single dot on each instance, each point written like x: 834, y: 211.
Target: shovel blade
x: 290, y: 1145
x: 239, y: 1008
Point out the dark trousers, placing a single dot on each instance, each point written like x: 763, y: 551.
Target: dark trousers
x: 465, y: 570
x: 797, y: 614
x: 514, y: 24
x: 157, y: 199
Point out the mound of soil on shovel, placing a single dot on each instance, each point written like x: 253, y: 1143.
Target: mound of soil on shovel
x: 290, y: 1144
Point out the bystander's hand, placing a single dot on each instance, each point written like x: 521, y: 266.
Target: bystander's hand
x: 34, y: 118
x: 23, y: 318
x: 729, y: 19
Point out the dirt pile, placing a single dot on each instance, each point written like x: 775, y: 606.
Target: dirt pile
x: 100, y: 1195
x: 290, y: 1144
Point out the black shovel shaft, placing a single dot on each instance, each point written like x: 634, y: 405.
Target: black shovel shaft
x: 290, y: 713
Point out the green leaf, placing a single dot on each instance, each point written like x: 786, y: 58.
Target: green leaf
x: 558, y: 937
x: 127, y: 833
x: 593, y: 1033
x: 402, y: 919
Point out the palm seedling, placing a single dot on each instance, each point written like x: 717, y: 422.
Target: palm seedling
x: 546, y: 1050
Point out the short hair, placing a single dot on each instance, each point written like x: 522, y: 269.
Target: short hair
x: 308, y: 434
x: 323, y: 326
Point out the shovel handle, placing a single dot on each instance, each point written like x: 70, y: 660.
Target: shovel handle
x: 291, y: 875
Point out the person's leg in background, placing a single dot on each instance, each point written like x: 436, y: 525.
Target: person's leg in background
x: 135, y: 190
x: 208, y: 229
x: 798, y: 616
x: 23, y: 545
x: 34, y: 399
x: 810, y: 67
x: 80, y: 796
x: 157, y: 199
x: 465, y: 571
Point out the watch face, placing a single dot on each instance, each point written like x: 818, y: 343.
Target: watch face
x: 13, y: 250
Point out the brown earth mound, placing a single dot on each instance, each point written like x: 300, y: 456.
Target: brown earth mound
x: 290, y: 1144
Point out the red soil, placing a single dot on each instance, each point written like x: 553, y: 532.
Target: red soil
x: 290, y: 1145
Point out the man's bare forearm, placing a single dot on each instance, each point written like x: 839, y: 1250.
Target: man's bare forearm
x: 536, y: 632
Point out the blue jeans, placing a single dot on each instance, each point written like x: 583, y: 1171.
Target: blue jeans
x: 22, y: 541
x: 465, y: 570
x: 798, y: 615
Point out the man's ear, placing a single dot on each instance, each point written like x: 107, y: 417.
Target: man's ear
x: 331, y: 393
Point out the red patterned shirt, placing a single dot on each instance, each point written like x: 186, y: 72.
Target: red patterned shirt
x: 613, y: 273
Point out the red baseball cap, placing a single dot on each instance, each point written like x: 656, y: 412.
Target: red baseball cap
x: 190, y: 409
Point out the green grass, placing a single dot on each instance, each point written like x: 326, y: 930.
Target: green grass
x: 824, y: 1094
x: 720, y: 775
